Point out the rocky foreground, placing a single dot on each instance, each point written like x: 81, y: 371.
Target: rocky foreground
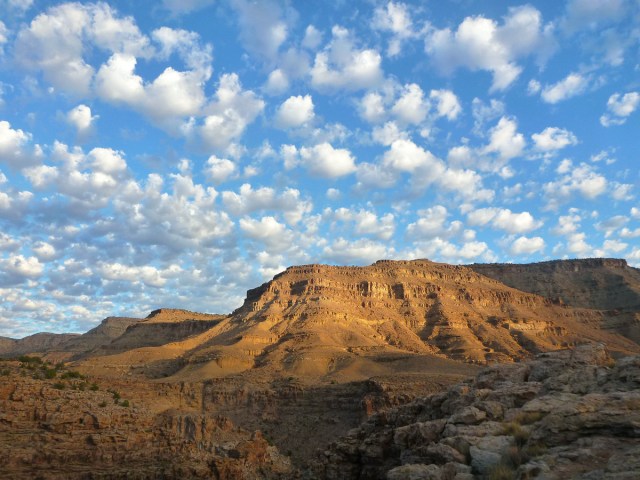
x: 566, y: 414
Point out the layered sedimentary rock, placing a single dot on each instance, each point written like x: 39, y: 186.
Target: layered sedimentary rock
x: 319, y: 319
x: 609, y: 285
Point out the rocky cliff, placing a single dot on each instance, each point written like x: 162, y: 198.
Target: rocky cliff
x: 37, y: 343
x: 608, y: 285
x: 318, y: 319
x: 566, y: 414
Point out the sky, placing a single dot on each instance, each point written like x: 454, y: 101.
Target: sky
x: 177, y: 153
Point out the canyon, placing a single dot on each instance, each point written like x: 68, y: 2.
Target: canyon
x: 318, y: 371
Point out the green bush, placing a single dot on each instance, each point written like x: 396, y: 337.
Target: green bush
x: 94, y: 387
x: 28, y: 359
x: 102, y: 404
x: 72, y: 374
x: 50, y: 373
x: 527, y: 418
x: 4, y: 373
x: 124, y: 403
x: 59, y: 386
x: 520, y: 435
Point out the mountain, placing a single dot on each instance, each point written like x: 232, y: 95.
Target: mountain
x: 318, y: 320
x: 606, y: 284
x: 37, y: 343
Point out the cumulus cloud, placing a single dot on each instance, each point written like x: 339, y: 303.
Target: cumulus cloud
x: 479, y: 43
x: 365, y: 222
x: 268, y: 230
x: 581, y: 179
x: 553, y: 138
x: 505, y: 140
x: 570, y: 86
x: 229, y: 113
x: 327, y: 162
x: 82, y: 120
x: 619, y: 107
x: 17, y: 269
x: 504, y: 219
x: 341, y: 65
x: 219, y: 170
x: 527, y: 246
x: 432, y: 223
x: 250, y: 200
x: 395, y: 19
x: 357, y: 252
x: 16, y: 150
x: 295, y: 111
x: 53, y: 42
x: 411, y: 107
x: 447, y: 104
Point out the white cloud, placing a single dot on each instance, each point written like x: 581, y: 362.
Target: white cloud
x: 107, y: 160
x: 411, y: 108
x: 15, y: 147
x: 505, y: 140
x: 504, y: 219
x: 262, y: 29
x: 80, y: 117
x: 619, y: 108
x: 268, y: 230
x: 394, y: 18
x: 295, y: 112
x: 480, y: 43
x: 372, y: 107
x: 570, y: 86
x: 146, y: 274
x: 366, y: 222
x: 406, y: 156
x: 432, y: 222
x: 582, y: 179
x: 219, y: 170
x: 229, y: 114
x: 527, y: 246
x: 447, y: 104
x: 533, y: 87
x: 553, y: 138
x: 20, y: 266
x: 54, y: 43
x: 248, y: 200
x: 44, y: 251
x: 277, y: 82
x: 358, y: 252
x: 325, y: 161
x: 340, y: 65
x: 388, y: 133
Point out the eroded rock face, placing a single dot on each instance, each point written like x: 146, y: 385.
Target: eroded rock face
x: 312, y: 314
x: 58, y: 429
x: 565, y: 414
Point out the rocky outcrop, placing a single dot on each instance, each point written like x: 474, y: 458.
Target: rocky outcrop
x: 566, y: 414
x: 319, y: 319
x: 69, y: 427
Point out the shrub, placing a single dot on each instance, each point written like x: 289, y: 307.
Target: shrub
x: 50, y: 373
x: 4, y: 373
x: 527, y: 418
x: 102, y: 404
x: 502, y: 472
x: 124, y: 403
x: 59, y: 386
x: 71, y: 374
x: 536, y: 450
x: 520, y: 435
x: 94, y: 387
x: 28, y: 359
x: 116, y: 396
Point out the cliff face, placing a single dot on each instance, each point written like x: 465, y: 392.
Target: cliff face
x: 597, y: 283
x: 605, y: 284
x: 37, y: 343
x: 318, y: 320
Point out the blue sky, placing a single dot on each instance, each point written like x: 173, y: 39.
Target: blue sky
x: 178, y: 154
